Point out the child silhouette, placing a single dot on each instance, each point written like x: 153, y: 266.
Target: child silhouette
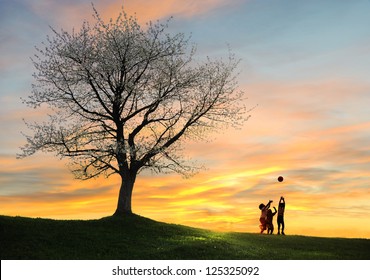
x: 280, y: 217
x: 264, y: 209
x: 269, y: 224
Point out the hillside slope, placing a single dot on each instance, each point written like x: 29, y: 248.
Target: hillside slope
x: 136, y: 237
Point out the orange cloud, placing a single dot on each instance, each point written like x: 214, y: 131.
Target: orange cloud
x: 72, y: 15
x: 147, y: 10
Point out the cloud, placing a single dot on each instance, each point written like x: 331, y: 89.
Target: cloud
x: 71, y: 13
x: 152, y: 10
x: 42, y: 186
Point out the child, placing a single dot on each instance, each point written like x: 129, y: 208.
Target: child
x: 280, y: 218
x: 269, y: 218
x: 264, y: 209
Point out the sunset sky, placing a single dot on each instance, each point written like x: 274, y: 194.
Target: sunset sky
x: 305, y: 69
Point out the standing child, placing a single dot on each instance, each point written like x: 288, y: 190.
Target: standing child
x: 264, y: 209
x: 280, y: 218
x: 269, y: 223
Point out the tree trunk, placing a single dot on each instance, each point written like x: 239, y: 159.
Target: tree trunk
x: 125, y: 195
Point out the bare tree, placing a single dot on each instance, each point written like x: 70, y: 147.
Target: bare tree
x: 126, y: 98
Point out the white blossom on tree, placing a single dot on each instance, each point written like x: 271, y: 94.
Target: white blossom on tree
x: 126, y: 98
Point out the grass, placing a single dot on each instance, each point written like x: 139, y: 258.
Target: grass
x: 136, y: 237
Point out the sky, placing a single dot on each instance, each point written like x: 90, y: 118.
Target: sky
x: 305, y: 69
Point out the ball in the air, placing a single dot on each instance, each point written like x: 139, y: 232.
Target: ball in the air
x: 280, y: 178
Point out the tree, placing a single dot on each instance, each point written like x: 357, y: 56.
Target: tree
x: 126, y: 98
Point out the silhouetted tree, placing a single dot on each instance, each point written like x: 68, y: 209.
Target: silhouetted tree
x: 125, y: 98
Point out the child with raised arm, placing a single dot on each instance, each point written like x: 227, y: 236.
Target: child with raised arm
x: 269, y: 224
x: 264, y: 209
x: 280, y: 217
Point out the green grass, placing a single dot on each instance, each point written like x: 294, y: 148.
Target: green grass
x: 135, y: 237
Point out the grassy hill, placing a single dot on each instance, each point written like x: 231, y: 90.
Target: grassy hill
x: 136, y: 237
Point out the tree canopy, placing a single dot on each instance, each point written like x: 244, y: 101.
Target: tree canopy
x: 125, y: 98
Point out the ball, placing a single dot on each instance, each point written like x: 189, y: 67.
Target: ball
x: 280, y: 178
